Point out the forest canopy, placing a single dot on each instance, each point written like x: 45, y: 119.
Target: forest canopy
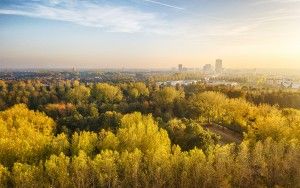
x: 71, y: 134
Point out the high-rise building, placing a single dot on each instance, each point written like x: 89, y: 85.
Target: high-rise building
x: 180, y: 67
x: 207, y: 68
x: 219, y: 66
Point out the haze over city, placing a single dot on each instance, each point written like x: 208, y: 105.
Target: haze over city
x: 149, y: 93
x: 149, y: 33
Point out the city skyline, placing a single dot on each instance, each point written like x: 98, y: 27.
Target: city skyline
x: 149, y: 33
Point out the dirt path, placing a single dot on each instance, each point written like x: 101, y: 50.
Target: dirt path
x: 227, y: 136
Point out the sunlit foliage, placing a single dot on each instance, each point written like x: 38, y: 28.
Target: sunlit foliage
x: 140, y: 135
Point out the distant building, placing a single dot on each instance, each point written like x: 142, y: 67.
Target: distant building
x: 207, y: 68
x: 222, y: 82
x: 180, y: 67
x: 296, y: 85
x: 219, y: 66
x: 177, y: 82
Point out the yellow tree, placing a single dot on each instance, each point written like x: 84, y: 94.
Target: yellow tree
x: 105, y: 167
x: 142, y: 133
x: 84, y: 141
x: 57, y: 170
x: 4, y: 176
x: 25, y: 135
x: 81, y: 170
x: 209, y: 105
x: 104, y: 92
x: 28, y: 176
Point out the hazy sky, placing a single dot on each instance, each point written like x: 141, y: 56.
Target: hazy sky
x: 149, y: 33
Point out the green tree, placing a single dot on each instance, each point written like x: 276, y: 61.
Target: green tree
x: 189, y: 134
x: 164, y: 101
x: 79, y: 94
x: 111, y: 120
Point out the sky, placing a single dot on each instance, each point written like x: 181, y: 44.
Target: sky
x: 149, y: 34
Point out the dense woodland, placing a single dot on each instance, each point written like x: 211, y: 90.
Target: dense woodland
x: 135, y: 134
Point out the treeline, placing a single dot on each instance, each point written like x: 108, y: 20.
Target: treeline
x: 137, y: 154
x: 284, y: 97
x: 159, y: 77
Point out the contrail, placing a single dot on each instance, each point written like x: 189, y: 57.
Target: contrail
x: 163, y: 4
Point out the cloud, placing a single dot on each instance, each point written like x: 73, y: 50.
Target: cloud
x: 109, y: 17
x: 164, y: 4
x: 116, y: 18
x: 274, y: 1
